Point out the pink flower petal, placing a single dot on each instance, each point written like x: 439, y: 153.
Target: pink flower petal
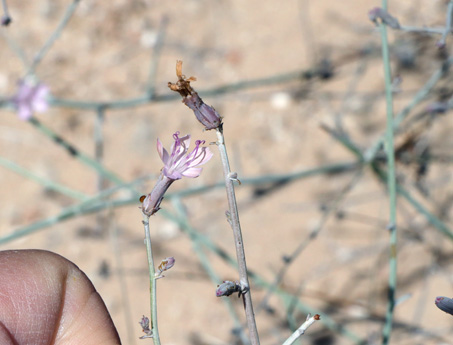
x: 192, y: 172
x: 163, y: 154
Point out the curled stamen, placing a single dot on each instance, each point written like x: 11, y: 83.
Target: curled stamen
x: 181, y: 163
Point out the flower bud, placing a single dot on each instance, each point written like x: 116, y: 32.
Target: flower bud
x: 204, y: 113
x: 227, y: 288
x: 445, y: 304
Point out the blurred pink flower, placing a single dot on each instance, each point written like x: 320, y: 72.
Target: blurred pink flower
x: 30, y: 98
x: 179, y: 163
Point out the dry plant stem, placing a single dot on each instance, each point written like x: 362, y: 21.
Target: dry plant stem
x: 152, y: 282
x: 301, y: 330
x: 240, y: 252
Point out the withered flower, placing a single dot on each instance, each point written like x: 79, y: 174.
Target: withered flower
x: 204, y: 113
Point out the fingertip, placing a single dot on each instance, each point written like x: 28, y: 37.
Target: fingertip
x: 47, y: 299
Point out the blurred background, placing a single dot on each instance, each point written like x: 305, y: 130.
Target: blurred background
x: 301, y: 88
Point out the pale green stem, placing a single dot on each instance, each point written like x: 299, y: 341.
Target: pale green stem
x: 49, y: 184
x: 419, y: 96
x: 152, y: 282
x: 75, y: 152
x: 391, y: 185
x: 45, y: 48
x: 239, y: 244
x: 96, y: 204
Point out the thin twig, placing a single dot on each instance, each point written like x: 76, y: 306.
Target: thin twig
x: 441, y: 43
x: 48, y: 184
x: 391, y: 182
x: 289, y: 259
x: 207, y: 266
x: 96, y: 203
x: 75, y: 152
x: 399, y: 118
x: 301, y: 330
x: 239, y: 244
x: 45, y: 48
x: 422, y: 30
x: 298, y: 75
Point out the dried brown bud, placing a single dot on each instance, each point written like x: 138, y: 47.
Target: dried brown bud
x: 204, y: 113
x: 165, y: 265
x: 144, y: 322
x: 317, y: 317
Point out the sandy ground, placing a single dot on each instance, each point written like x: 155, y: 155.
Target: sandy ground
x: 105, y: 54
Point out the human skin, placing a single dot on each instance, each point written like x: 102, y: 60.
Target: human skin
x: 46, y: 299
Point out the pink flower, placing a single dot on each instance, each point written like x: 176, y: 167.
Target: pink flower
x: 30, y: 98
x: 179, y: 163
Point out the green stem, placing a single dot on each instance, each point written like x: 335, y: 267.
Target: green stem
x: 391, y: 185
x: 75, y: 152
x: 49, y: 184
x: 96, y: 203
x: 152, y: 282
